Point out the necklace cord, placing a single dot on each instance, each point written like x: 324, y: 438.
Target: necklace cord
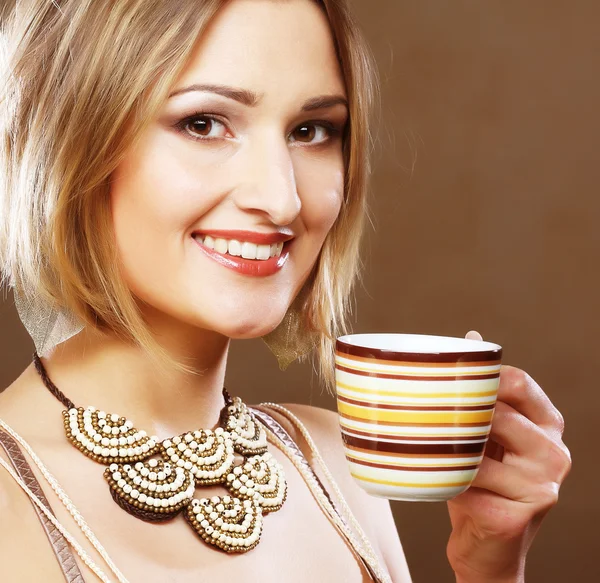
x: 49, y: 384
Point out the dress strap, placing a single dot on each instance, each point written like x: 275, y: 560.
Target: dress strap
x: 60, y: 546
x: 289, y: 444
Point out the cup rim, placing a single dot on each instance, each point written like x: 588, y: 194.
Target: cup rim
x: 489, y: 351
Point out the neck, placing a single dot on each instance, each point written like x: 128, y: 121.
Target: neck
x: 92, y: 368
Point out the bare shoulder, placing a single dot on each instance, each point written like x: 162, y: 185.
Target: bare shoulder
x: 21, y: 536
x: 374, y: 514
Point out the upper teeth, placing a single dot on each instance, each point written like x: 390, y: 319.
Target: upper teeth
x: 241, y: 248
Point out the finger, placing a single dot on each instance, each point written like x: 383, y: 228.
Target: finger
x: 522, y: 393
x: 474, y: 335
x: 532, y: 446
x: 505, y: 480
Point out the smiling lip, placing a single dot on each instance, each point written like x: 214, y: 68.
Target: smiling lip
x: 254, y: 267
x: 250, y: 236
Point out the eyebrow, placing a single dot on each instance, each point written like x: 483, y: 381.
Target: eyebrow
x: 252, y: 99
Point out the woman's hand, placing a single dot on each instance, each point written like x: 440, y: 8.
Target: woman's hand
x: 525, y: 462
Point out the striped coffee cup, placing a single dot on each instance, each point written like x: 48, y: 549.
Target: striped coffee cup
x: 415, y: 411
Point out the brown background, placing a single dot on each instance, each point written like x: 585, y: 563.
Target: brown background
x: 486, y: 206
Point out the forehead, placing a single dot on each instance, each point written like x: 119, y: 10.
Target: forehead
x: 275, y: 47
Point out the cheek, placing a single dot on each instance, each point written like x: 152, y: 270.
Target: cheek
x: 155, y: 199
x: 153, y: 190
x: 322, y: 192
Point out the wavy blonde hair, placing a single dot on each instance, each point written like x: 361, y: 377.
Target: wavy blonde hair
x: 83, y: 80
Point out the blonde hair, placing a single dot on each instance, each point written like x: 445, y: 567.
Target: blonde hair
x: 83, y: 80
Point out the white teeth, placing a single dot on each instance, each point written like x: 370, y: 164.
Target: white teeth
x: 221, y: 245
x: 249, y: 250
x: 241, y: 248
x: 263, y: 251
x: 235, y: 248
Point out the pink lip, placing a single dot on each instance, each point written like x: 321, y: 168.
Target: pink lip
x: 254, y: 267
x: 250, y: 236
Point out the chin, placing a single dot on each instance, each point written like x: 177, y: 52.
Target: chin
x: 249, y: 326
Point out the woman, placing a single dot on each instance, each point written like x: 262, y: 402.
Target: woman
x: 176, y: 178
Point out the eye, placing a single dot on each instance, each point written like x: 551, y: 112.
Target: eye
x: 202, y: 127
x: 322, y: 131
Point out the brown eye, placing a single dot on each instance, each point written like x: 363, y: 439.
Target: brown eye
x: 315, y: 133
x: 305, y: 133
x: 201, y: 125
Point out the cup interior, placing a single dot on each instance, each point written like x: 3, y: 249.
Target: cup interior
x: 415, y: 343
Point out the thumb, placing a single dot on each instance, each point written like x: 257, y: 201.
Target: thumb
x: 474, y: 335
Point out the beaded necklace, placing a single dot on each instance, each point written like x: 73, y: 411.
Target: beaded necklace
x: 156, y: 480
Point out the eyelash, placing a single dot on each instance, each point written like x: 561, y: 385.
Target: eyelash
x: 180, y: 126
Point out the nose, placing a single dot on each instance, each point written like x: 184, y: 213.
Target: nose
x: 267, y: 182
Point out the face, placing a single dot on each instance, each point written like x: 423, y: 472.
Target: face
x: 265, y: 158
